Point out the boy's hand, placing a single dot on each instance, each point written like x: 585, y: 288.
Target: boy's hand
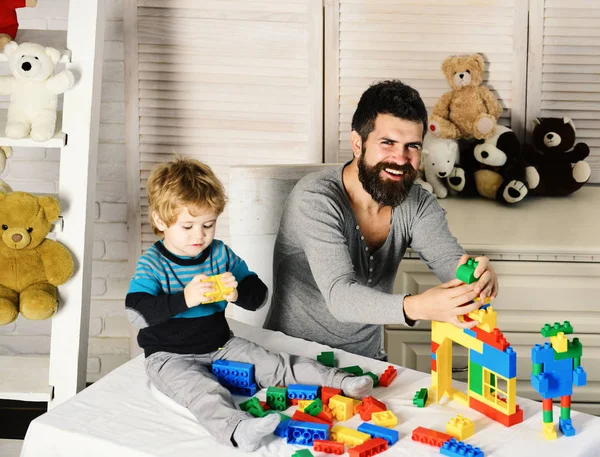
x: 229, y: 282
x: 195, y: 290
x: 487, y: 284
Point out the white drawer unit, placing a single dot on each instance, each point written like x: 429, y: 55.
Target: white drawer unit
x: 547, y: 256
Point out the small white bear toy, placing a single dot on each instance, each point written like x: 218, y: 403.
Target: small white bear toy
x: 5, y: 153
x: 439, y: 157
x: 33, y: 89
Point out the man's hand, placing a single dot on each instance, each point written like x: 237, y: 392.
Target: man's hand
x: 487, y: 284
x: 195, y: 290
x: 228, y: 281
x: 444, y: 303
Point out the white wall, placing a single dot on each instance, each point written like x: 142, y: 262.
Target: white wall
x: 36, y: 170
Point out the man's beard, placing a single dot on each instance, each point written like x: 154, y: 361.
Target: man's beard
x: 386, y: 192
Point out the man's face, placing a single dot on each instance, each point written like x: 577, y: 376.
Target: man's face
x: 388, y: 160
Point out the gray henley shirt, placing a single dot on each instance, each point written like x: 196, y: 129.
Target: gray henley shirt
x: 328, y: 285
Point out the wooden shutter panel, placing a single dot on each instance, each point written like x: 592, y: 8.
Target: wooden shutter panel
x: 564, y: 68
x: 228, y: 82
x: 408, y: 40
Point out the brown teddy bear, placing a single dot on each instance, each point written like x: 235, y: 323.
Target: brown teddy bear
x: 31, y: 266
x: 469, y: 110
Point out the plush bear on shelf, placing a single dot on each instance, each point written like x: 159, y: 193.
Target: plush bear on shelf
x: 552, y: 156
x: 9, y: 25
x: 439, y: 157
x: 5, y: 153
x: 493, y: 168
x: 33, y: 88
x: 469, y: 110
x: 31, y: 266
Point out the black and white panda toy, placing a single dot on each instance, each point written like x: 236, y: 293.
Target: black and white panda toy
x: 494, y: 168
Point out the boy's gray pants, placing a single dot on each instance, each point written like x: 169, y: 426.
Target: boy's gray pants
x: 188, y: 379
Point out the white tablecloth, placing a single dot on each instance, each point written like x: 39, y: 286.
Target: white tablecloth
x: 120, y: 415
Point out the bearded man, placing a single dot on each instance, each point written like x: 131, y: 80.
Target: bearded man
x: 344, y: 232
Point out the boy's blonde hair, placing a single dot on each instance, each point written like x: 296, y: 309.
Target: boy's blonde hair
x: 183, y: 182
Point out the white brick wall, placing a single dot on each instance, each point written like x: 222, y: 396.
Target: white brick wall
x: 36, y: 170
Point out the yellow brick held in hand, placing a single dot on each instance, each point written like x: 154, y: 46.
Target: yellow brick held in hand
x: 220, y: 289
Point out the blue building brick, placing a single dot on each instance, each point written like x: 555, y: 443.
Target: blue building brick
x: 455, y: 448
x: 233, y: 373
x: 302, y: 392
x: 306, y: 432
x: 502, y: 362
x: 388, y: 434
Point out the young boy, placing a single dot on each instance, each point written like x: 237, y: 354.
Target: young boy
x: 181, y: 336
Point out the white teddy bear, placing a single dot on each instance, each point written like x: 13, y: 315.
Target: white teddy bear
x: 5, y: 153
x: 439, y: 157
x: 33, y: 89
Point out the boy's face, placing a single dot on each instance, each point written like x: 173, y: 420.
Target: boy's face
x: 188, y: 235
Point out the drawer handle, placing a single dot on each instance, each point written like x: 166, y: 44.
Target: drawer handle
x: 460, y: 369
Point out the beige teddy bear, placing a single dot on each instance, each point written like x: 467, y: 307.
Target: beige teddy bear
x: 469, y: 110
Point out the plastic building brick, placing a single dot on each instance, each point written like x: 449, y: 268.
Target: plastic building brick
x: 466, y: 272
x: 265, y: 406
x: 328, y: 447
x: 302, y: 453
x: 507, y: 420
x: 373, y: 401
x: 388, y: 376
x: 428, y: 436
x: 555, y: 370
x: 460, y: 427
x: 299, y: 416
x: 341, y: 407
x: 327, y: 393
x: 494, y: 338
x: 455, y: 448
x: 367, y: 409
x: 302, y: 392
x: 233, y: 373
x: 420, y: 398
x: 357, y: 404
x: 253, y: 406
x: 281, y: 430
x: 325, y: 415
x: 384, y: 419
x: 559, y: 343
x: 302, y: 404
x: 486, y: 317
x: 552, y: 330
x: 315, y: 407
x: 391, y: 436
x: 277, y: 398
x: 327, y: 358
x: 354, y: 369
x: 244, y: 391
x: 220, y: 290
x: 369, y: 448
x: 306, y: 432
x: 502, y: 362
x: 348, y: 436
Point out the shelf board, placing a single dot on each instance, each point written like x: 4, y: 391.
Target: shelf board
x: 25, y: 378
x: 53, y: 38
x: 58, y: 141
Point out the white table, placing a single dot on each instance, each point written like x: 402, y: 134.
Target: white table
x: 120, y: 415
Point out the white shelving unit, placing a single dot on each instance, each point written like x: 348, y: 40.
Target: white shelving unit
x: 62, y: 374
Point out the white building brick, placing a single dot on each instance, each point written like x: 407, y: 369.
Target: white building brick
x: 116, y: 251
x: 114, y: 50
x: 29, y: 327
x: 114, y: 346
x: 114, y: 9
x: 110, y: 231
x: 116, y: 288
x: 113, y: 212
x: 112, y: 133
x: 25, y: 344
x: 111, y: 192
x: 117, y: 326
x: 99, y: 249
x: 113, y: 70
x: 98, y: 287
x: 111, y: 171
x: 111, y: 152
x: 104, y: 269
x: 108, y: 362
x: 112, y: 113
x: 96, y: 326
x: 113, y: 91
x: 114, y: 30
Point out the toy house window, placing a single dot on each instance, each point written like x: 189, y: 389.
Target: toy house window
x: 495, y: 389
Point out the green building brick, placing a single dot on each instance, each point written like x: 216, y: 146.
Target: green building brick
x: 420, y: 398
x: 375, y: 378
x: 354, y: 369
x: 326, y: 358
x: 277, y: 398
x: 314, y: 408
x: 552, y: 330
x: 466, y: 272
